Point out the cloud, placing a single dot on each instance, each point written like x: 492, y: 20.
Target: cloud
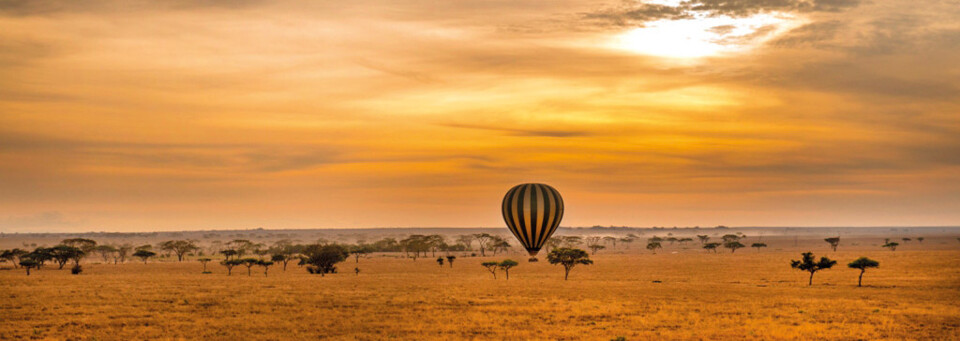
x: 528, y: 132
x: 636, y: 13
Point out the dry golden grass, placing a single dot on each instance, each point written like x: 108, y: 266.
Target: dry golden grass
x: 747, y: 295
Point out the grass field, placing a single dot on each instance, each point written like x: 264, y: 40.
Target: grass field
x: 674, y: 294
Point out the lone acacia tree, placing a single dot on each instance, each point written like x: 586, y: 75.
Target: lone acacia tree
x: 808, y: 264
x: 863, y: 263
x: 653, y: 246
x: 703, y: 238
x: 179, y: 247
x: 569, y: 258
x: 440, y: 261
x: 891, y: 245
x: 711, y: 246
x: 450, y: 260
x: 733, y: 245
x: 596, y: 247
x: 144, y: 255
x: 833, y: 241
x: 492, y: 267
x: 506, y: 264
x: 204, y: 262
x: 758, y: 246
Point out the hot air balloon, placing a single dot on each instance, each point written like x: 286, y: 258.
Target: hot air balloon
x: 532, y: 212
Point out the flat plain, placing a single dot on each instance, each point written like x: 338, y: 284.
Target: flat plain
x: 681, y: 292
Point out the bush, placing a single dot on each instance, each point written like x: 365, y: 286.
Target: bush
x: 76, y: 270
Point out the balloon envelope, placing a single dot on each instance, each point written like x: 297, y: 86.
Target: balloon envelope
x: 532, y: 212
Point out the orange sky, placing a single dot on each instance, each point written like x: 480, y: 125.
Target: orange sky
x: 143, y: 115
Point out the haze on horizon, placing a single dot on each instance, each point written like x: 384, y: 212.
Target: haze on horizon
x: 140, y: 115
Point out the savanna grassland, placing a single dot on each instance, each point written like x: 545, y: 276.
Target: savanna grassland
x: 681, y: 292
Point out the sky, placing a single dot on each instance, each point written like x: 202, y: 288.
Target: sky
x: 135, y: 115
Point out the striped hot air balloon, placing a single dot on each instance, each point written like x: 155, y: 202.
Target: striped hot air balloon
x: 532, y: 212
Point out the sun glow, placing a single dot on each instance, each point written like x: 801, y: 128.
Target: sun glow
x: 704, y: 36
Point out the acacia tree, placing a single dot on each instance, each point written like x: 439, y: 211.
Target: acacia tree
x: 653, y: 246
x: 492, y: 267
x: 711, y: 246
x: 266, y: 266
x: 554, y: 242
x: 506, y: 264
x: 758, y: 246
x: 204, y: 262
x: 14, y: 256
x: 106, y: 251
x: 596, y: 247
x: 833, y: 241
x: 920, y: 239
x: 41, y: 255
x: 229, y: 253
x: 63, y: 253
x: 703, y: 238
x: 249, y: 263
x: 499, y: 244
x: 440, y: 261
x: 28, y: 263
x: 569, y: 258
x: 808, y: 264
x: 322, y: 259
x: 123, y: 251
x: 179, y: 247
x: 733, y: 245
x: 483, y: 239
x: 891, y: 245
x: 240, y: 246
x: 863, y: 263
x: 282, y: 258
x: 466, y: 240
x: 229, y: 264
x: 450, y: 260
x: 609, y: 239
x: 359, y: 251
x: 84, y: 244
x: 144, y: 255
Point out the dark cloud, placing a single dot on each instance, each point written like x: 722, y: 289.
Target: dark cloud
x: 749, y: 7
x: 636, y: 13
x: 633, y: 14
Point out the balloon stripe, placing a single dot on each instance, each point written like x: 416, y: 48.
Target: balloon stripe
x: 516, y: 212
x: 508, y: 211
x: 533, y: 213
x: 547, y: 218
x: 523, y: 212
x: 559, y: 215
